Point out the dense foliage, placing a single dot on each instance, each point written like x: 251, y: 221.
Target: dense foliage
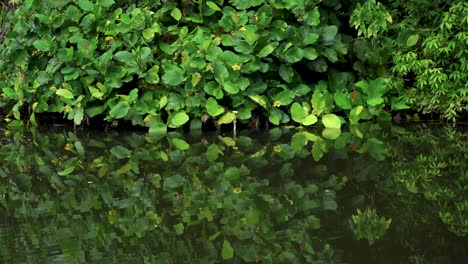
x: 108, y: 198
x: 162, y: 64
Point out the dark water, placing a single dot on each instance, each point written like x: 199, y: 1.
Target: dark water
x: 372, y: 195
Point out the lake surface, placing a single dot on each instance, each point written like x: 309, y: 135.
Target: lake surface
x: 369, y: 194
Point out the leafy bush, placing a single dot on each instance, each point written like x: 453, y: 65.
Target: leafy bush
x: 160, y: 64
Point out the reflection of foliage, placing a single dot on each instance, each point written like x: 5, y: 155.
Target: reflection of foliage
x: 367, y: 224
x: 145, y: 196
x: 205, y: 200
x: 439, y: 174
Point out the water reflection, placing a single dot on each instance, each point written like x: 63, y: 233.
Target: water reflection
x: 281, y: 196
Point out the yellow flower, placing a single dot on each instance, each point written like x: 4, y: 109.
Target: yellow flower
x: 277, y: 148
x: 277, y: 104
x: 237, y: 190
x: 53, y: 88
x: 67, y: 108
x: 69, y: 146
x: 242, y: 29
x: 236, y: 67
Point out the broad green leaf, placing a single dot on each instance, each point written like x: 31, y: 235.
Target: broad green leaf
x: 41, y: 44
x: 148, y: 34
x: 78, y: 116
x: 178, y: 119
x: 213, y: 6
x: 213, y: 108
x: 331, y: 121
x: 286, y: 72
x: 106, y: 3
x: 124, y: 56
x: 227, y: 118
x: 342, y: 100
x: 285, y: 97
x: 375, y: 90
x: 298, y: 113
x: 173, y: 75
x: 265, y: 51
x: 309, y: 120
x: 66, y: 171
x: 180, y: 144
x: 294, y: 55
x: 331, y: 133
x: 120, y: 110
x: 64, y: 93
x: 227, y: 251
x: 311, y: 38
x: 329, y: 34
x: 310, y: 53
x: 85, y: 5
x: 176, y: 13
x: 412, y: 40
x: 259, y: 100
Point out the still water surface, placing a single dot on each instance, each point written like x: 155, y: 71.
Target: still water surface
x: 371, y: 195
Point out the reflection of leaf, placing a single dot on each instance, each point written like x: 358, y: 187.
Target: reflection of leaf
x: 227, y: 251
x: 180, y: 144
x: 173, y: 181
x: 120, y: 152
x: 376, y: 148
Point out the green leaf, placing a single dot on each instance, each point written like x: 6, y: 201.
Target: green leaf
x: 294, y: 55
x: 176, y: 14
x: 375, y: 90
x: 331, y: 121
x: 85, y: 5
x: 227, y: 252
x: 286, y: 72
x: 213, y: 6
x: 227, y: 118
x: 412, y: 40
x: 265, y: 51
x: 64, y: 93
x: 120, y: 110
x: 66, y: 171
x: 79, y: 114
x: 309, y: 120
x: 259, y: 100
x: 173, y: 75
x: 331, y: 133
x: 124, y: 56
x: 298, y: 113
x: 342, y: 100
x: 178, y: 119
x: 329, y: 34
x: 180, y: 144
x: 213, y: 108
x: 120, y: 152
x: 310, y: 53
x: 41, y: 44
x: 106, y: 3
x: 311, y: 38
x: 285, y: 97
